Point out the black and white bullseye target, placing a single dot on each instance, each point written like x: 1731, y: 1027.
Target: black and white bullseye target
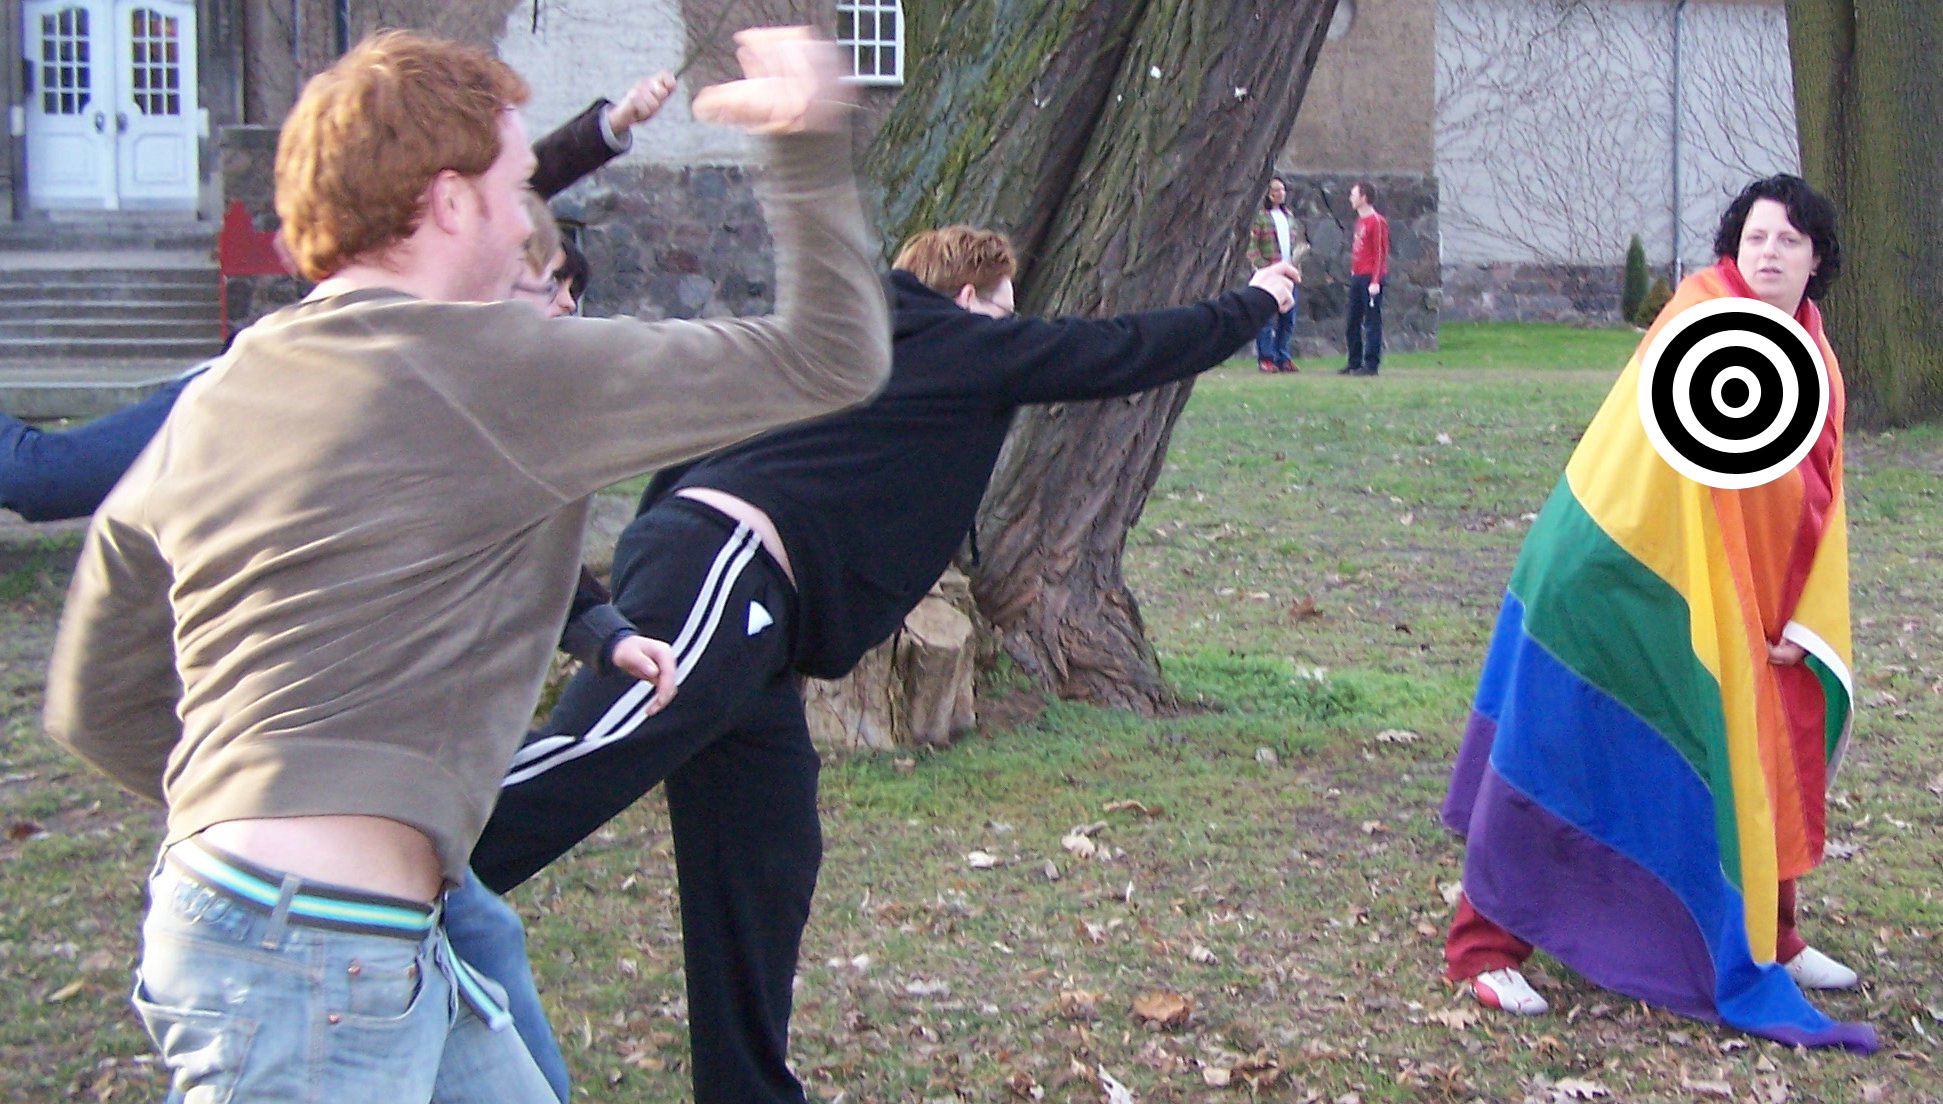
x: 1733, y: 393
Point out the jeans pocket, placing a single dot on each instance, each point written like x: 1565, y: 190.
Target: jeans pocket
x: 204, y: 1050
x: 380, y: 985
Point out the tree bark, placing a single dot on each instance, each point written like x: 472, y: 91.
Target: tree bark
x: 1124, y: 146
x: 1869, y: 105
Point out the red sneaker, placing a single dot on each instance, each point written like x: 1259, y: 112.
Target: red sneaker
x: 1267, y: 366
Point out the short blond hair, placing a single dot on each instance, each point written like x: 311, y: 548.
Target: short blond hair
x: 545, y: 239
x: 369, y: 135
x: 948, y: 258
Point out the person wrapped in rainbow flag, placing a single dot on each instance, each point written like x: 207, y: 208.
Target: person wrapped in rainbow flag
x: 1644, y: 773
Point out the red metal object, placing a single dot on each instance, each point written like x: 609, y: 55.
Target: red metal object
x: 242, y: 250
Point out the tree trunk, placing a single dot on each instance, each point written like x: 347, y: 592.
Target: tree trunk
x: 1869, y: 104
x: 1123, y: 146
x: 913, y: 690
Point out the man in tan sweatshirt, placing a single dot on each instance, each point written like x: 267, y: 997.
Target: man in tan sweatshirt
x: 312, y: 619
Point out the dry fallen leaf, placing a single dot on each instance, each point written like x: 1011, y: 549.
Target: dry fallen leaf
x: 1079, y: 1004
x: 1116, y: 1093
x: 1021, y: 1085
x: 1128, y: 804
x: 981, y: 860
x: 1163, y: 1009
x: 24, y: 830
x: 1398, y: 736
x: 1202, y: 955
x: 1082, y: 847
x: 1578, y: 1088
x: 1707, y: 1087
x: 1457, y: 1019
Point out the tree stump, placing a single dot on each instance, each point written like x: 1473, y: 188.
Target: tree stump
x: 913, y: 690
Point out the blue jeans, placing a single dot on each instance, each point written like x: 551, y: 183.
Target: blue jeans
x: 247, y: 1005
x: 1272, y: 343
x: 52, y: 475
x: 486, y: 932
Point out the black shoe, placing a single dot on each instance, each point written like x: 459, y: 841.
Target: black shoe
x: 1348, y: 370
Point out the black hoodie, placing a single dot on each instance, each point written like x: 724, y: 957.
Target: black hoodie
x: 872, y: 503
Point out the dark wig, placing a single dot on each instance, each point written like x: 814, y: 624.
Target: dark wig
x: 1809, y: 211
x: 573, y: 269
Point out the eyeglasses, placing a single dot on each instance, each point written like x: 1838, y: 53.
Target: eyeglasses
x: 544, y: 292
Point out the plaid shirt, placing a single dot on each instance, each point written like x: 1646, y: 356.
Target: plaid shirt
x: 1263, y: 249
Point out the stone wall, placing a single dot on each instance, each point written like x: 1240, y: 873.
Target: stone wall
x: 666, y: 241
x: 689, y: 241
x: 663, y: 241
x: 1413, y: 295
x: 1512, y: 292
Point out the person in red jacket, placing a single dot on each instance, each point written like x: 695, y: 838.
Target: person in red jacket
x: 1369, y: 264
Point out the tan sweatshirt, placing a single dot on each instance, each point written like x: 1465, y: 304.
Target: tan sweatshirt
x: 331, y: 583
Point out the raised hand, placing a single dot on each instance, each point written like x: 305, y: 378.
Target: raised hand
x: 640, y: 102
x: 792, y: 84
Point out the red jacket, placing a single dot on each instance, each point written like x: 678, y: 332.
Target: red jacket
x: 1369, y: 251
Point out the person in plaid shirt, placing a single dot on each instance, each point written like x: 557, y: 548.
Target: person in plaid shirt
x: 1277, y: 236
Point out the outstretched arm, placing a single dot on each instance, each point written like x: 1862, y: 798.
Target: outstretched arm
x: 52, y: 475
x: 1068, y: 360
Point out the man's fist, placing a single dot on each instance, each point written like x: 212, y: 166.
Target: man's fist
x: 1278, y: 279
x: 649, y: 660
x: 641, y: 102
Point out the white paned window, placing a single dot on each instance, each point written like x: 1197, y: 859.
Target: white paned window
x: 873, y: 32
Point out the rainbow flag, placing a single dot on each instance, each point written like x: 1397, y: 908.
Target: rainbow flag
x: 1636, y: 778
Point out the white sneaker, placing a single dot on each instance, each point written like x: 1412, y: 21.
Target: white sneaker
x: 1507, y: 989
x: 1812, y: 969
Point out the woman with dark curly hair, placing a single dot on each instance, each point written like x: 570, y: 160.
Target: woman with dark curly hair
x: 1645, y: 770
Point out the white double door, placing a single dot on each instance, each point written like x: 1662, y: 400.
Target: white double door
x: 112, y: 114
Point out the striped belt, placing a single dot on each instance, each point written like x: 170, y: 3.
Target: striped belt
x: 335, y: 909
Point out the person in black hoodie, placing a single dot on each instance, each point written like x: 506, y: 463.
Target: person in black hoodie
x: 793, y: 554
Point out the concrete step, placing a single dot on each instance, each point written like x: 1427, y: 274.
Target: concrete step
x: 131, y: 327
x: 167, y: 291
x: 43, y: 389
x: 102, y: 231
x: 22, y: 276
x: 187, y: 309
x: 185, y: 350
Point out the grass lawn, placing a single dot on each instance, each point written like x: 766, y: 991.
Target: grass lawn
x: 1320, y: 566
